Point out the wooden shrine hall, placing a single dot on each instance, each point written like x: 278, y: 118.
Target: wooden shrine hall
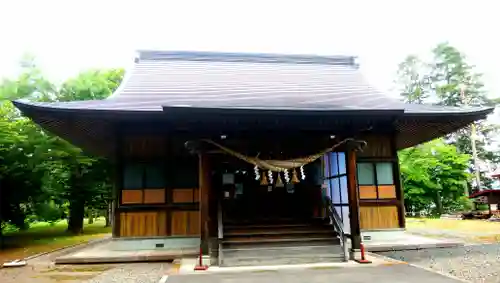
x: 251, y: 152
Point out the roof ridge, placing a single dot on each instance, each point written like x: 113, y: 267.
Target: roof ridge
x: 342, y: 60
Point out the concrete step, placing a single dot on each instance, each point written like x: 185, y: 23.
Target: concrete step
x: 277, y: 228
x: 282, y: 241
x: 263, y: 235
x: 274, y: 223
x: 260, y: 226
x: 282, y: 256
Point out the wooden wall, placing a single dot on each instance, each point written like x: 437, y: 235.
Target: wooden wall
x: 143, y: 224
x: 376, y: 146
x: 381, y: 205
x: 168, y: 207
x: 378, y: 217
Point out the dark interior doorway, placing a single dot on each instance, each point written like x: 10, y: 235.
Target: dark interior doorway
x: 244, y: 199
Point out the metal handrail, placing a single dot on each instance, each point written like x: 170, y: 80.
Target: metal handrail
x: 220, y: 231
x: 339, y: 227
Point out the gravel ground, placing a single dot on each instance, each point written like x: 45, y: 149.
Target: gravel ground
x: 133, y: 273
x: 102, y: 273
x: 475, y: 263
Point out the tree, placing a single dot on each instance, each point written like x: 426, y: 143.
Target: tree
x: 455, y: 83
x: 89, y: 182
x: 412, y: 80
x: 449, y: 80
x: 434, y: 177
x: 47, y: 172
x: 450, y: 73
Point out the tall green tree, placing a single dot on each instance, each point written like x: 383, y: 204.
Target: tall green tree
x: 412, y: 81
x: 434, y: 177
x: 45, y: 170
x: 449, y: 80
x: 88, y: 182
x: 450, y: 73
x: 456, y: 83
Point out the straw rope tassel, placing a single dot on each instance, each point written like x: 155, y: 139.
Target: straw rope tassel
x: 263, y: 179
x: 295, y: 179
x: 279, y: 182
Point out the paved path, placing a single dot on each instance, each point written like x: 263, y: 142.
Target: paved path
x: 388, y: 274
x: 475, y: 263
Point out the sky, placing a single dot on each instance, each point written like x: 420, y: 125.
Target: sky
x: 68, y: 36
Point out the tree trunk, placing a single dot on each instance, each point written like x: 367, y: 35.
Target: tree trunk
x: 107, y: 216
x: 1, y: 237
x: 439, y: 203
x: 76, y: 215
x: 91, y: 216
x: 1, y: 218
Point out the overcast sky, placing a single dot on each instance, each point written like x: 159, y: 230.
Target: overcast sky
x: 69, y: 35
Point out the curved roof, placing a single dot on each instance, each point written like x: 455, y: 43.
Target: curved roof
x: 163, y: 83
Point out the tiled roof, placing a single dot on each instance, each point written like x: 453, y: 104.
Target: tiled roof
x: 246, y: 81
x: 162, y: 81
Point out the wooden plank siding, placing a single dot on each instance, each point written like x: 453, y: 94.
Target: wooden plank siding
x: 185, y: 223
x: 378, y: 217
x: 143, y: 224
x: 184, y: 195
x: 377, y: 146
x: 380, y: 192
x: 157, y: 211
x: 380, y: 203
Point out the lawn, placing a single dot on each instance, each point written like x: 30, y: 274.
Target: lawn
x: 43, y: 237
x: 474, y: 230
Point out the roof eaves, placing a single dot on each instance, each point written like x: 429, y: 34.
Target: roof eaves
x: 282, y: 110
x: 458, y: 112
x: 60, y: 109
x: 484, y: 192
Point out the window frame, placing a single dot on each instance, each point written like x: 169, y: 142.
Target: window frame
x: 144, y: 165
x: 329, y: 178
x: 376, y: 183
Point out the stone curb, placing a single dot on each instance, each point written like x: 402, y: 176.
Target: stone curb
x: 167, y: 256
x: 389, y: 248
x: 70, y: 248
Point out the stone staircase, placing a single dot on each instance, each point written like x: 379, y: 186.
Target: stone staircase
x: 279, y: 242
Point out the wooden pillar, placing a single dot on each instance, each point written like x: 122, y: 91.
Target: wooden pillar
x: 396, y: 173
x: 1, y: 218
x: 490, y: 201
x: 353, y: 197
x: 205, y: 189
x: 118, y: 182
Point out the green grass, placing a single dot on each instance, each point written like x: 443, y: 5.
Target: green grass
x: 470, y: 230
x: 44, y: 237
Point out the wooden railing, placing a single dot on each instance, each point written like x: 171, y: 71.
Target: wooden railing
x: 339, y: 227
x: 220, y: 231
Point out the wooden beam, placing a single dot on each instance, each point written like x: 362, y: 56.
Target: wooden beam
x: 397, y: 181
x: 204, y: 191
x: 353, y: 199
x: 118, y: 182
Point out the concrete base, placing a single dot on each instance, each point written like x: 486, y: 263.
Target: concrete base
x: 386, y: 240
x: 134, y: 250
x: 205, y: 260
